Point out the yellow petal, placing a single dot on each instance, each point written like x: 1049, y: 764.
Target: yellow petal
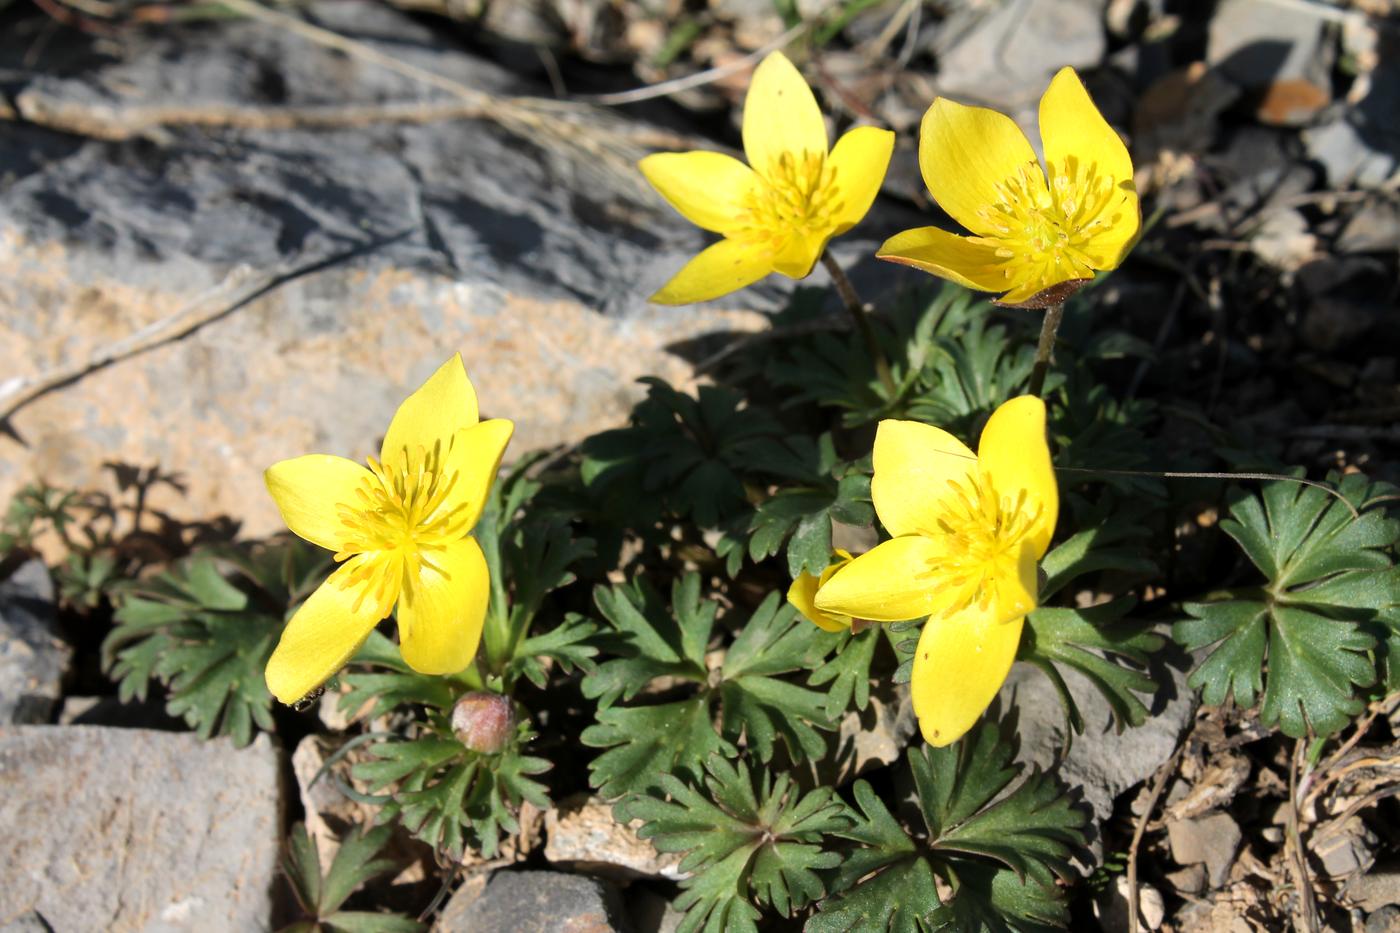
x: 960, y: 259
x: 725, y: 267
x: 890, y: 583
x: 1015, y: 455
x: 441, y: 611
x: 321, y: 638
x: 801, y: 252
x: 858, y: 163
x: 803, y: 594
x: 959, y: 666
x: 780, y: 115
x: 474, y: 458
x: 1080, y: 143
x: 967, y: 154
x: 914, y: 464
x: 434, y: 413
x: 308, y: 492
x: 708, y: 188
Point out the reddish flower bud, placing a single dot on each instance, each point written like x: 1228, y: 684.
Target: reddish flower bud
x: 484, y: 721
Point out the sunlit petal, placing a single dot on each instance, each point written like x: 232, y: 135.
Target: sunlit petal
x: 960, y: 664
x: 472, y: 464
x: 309, y: 492
x: 725, y: 267
x: 914, y: 466
x: 801, y: 252
x: 433, y: 414
x: 890, y: 583
x: 1015, y: 455
x: 780, y: 115
x: 858, y: 163
x: 441, y: 612
x: 965, y: 260
x: 321, y: 637
x: 708, y: 188
x: 968, y: 154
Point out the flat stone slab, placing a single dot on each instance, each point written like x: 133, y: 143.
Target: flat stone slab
x: 136, y: 830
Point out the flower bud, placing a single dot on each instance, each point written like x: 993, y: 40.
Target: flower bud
x: 484, y: 722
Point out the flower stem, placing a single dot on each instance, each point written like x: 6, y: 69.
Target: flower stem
x: 856, y: 307
x: 1048, y: 328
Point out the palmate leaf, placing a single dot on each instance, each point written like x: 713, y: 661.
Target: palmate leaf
x: 748, y: 843
x: 692, y: 454
x: 451, y: 797
x: 205, y: 629
x: 321, y: 896
x: 644, y: 742
x: 648, y: 639
x: 569, y: 645
x: 1331, y: 588
x: 758, y: 706
x: 799, y: 515
x: 1100, y: 642
x: 848, y: 671
x: 753, y: 695
x: 1000, y: 851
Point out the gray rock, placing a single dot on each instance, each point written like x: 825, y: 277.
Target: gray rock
x: 1003, y: 55
x: 1362, y: 146
x: 33, y: 659
x: 535, y: 902
x: 126, y: 829
x: 1372, y: 229
x: 1111, y: 906
x: 1375, y: 890
x: 1385, y: 920
x: 1102, y: 763
x: 370, y: 253
x: 1210, y: 840
x: 1188, y: 880
x: 1257, y: 42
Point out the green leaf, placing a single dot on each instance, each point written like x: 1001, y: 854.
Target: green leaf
x: 898, y: 893
x: 758, y: 706
x: 999, y: 850
x: 1109, y: 649
x: 451, y: 797
x: 747, y: 844
x: 848, y: 672
x: 1331, y: 586
x: 569, y: 644
x: 645, y: 742
x: 206, y: 638
x: 649, y: 640
x: 692, y: 454
x: 354, y: 864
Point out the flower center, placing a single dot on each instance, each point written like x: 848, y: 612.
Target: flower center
x: 399, y: 516
x: 797, y: 196
x: 980, y: 535
x: 1043, y: 232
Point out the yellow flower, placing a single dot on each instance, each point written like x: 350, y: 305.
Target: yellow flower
x: 778, y: 215
x: 401, y: 532
x: 969, y: 531
x: 1033, y: 229
x: 803, y: 594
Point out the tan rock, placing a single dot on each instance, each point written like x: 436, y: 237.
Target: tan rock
x: 582, y: 834
x: 316, y: 365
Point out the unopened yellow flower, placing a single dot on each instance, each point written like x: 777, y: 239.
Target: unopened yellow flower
x: 401, y: 531
x: 969, y: 531
x: 803, y: 594
x: 777, y: 215
x: 1033, y: 229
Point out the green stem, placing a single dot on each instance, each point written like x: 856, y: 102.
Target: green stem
x: 857, y: 310
x: 1043, y: 349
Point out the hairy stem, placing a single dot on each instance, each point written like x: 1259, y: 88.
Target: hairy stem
x: 1048, y: 329
x: 858, y: 314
